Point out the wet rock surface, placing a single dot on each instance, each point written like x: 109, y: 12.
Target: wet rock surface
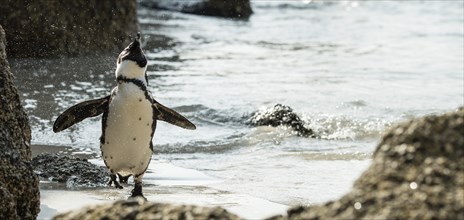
x: 19, y: 186
x: 137, y: 208
x: 219, y: 8
x: 55, y: 28
x: 73, y: 171
x: 417, y: 173
x: 280, y: 115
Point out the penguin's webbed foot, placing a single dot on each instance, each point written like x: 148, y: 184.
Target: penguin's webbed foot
x: 115, y: 181
x: 137, y: 191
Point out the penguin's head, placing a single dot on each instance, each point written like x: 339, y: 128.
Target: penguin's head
x: 131, y: 61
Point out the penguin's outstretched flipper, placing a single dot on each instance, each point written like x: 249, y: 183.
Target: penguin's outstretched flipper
x: 79, y: 112
x: 168, y: 115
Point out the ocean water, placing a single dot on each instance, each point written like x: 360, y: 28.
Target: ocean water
x: 350, y: 69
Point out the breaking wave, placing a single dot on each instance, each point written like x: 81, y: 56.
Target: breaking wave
x: 342, y: 127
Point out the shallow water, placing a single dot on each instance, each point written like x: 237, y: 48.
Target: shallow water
x: 351, y: 69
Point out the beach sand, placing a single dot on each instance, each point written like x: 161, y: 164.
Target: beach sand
x: 163, y: 182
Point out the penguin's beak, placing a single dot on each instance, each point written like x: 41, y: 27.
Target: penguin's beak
x: 135, y: 45
x: 133, y: 52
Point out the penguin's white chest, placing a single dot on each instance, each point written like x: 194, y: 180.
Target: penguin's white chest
x: 128, y: 132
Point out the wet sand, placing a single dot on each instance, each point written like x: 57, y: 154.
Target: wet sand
x: 163, y: 182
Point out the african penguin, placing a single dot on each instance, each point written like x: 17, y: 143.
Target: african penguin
x: 129, y: 119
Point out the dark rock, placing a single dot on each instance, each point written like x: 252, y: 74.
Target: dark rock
x: 73, y: 171
x: 137, y: 208
x: 280, y: 115
x: 219, y: 8
x: 19, y: 186
x: 53, y: 28
x: 417, y: 173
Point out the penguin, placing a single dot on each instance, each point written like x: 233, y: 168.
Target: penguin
x: 129, y: 119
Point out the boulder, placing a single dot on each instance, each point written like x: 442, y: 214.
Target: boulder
x: 280, y: 115
x: 137, y: 208
x: 19, y: 186
x: 417, y: 173
x: 219, y: 8
x: 54, y: 28
x: 73, y: 171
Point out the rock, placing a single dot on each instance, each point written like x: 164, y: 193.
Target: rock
x: 417, y: 173
x: 54, y: 28
x: 280, y: 115
x: 219, y: 8
x: 73, y: 171
x: 19, y: 186
x: 137, y: 208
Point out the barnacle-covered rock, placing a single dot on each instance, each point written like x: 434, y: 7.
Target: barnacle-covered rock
x: 73, y: 171
x: 280, y: 115
x: 74, y: 27
x: 19, y: 186
x: 138, y: 208
x: 417, y: 173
